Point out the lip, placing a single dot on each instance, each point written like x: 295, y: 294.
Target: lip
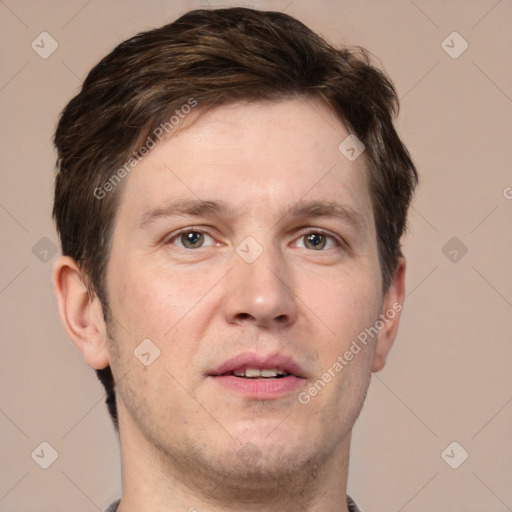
x: 259, y: 388
x: 259, y: 362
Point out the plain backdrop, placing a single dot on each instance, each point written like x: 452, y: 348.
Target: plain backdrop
x: 448, y: 378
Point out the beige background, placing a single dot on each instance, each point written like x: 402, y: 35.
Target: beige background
x: 448, y: 378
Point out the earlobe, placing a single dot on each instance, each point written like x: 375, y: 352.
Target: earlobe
x: 80, y: 314
x: 390, y: 316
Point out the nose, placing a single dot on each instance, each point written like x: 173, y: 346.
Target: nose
x: 261, y: 292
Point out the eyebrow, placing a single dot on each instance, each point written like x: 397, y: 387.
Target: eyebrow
x: 329, y: 209
x: 183, y: 207
x: 301, y: 209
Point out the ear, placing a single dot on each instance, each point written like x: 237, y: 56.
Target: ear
x: 390, y: 316
x: 80, y: 313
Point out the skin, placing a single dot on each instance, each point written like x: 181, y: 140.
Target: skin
x: 183, y: 436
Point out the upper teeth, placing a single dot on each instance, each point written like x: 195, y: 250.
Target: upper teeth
x: 255, y: 372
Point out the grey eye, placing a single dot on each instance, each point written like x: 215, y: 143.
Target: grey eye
x: 192, y: 239
x: 315, y: 241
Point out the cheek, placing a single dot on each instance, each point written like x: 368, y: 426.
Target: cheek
x: 352, y: 305
x: 149, y: 301
x: 345, y: 307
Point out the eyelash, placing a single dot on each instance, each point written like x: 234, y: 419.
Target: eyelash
x: 308, y: 231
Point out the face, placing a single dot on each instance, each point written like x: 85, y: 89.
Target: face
x: 245, y: 249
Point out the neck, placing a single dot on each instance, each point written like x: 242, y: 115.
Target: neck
x: 151, y: 480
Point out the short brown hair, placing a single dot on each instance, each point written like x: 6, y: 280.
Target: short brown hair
x: 216, y: 57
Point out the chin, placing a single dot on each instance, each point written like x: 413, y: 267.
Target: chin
x: 277, y: 456
x: 253, y: 471
x: 261, y: 471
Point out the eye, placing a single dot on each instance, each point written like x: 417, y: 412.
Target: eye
x: 191, y: 239
x: 316, y: 241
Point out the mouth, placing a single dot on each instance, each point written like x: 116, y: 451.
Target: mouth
x: 260, y: 377
x: 256, y: 373
x: 259, y: 366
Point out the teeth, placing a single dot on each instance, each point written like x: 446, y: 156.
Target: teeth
x: 252, y: 373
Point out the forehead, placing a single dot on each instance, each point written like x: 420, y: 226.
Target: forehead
x: 256, y: 156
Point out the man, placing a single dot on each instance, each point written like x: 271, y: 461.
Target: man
x: 230, y: 198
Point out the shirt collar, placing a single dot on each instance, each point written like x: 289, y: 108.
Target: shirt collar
x: 352, y: 507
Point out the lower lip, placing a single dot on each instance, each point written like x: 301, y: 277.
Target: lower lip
x: 263, y: 388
